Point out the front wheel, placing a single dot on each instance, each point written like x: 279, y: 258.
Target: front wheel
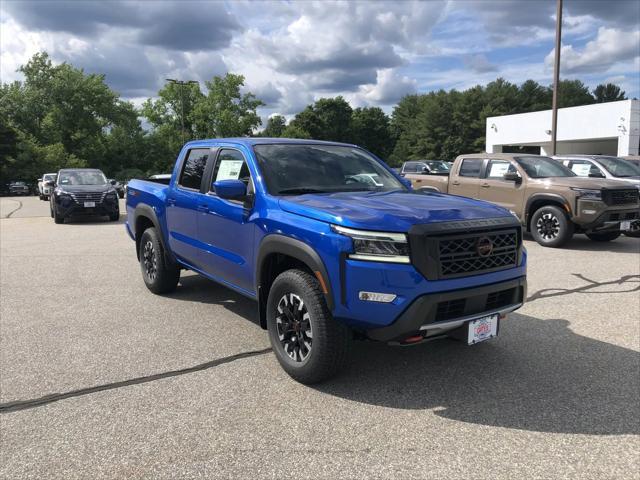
x: 550, y: 227
x: 57, y: 218
x: 159, y: 276
x: 114, y: 217
x: 309, y: 344
x: 603, y: 237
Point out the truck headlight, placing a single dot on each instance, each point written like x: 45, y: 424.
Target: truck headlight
x: 376, y: 246
x: 588, y: 194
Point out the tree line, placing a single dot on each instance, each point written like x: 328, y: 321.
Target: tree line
x: 59, y: 116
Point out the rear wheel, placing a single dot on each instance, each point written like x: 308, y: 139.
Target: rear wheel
x: 550, y: 226
x: 309, y: 344
x: 603, y: 237
x: 159, y: 276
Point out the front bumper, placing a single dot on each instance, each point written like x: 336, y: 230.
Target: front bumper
x: 436, y: 313
x: 69, y: 208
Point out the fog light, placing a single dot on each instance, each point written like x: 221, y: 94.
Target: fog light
x: 589, y: 212
x: 377, y: 297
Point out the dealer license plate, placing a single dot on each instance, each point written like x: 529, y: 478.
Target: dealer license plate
x: 482, y: 329
x: 89, y: 204
x: 626, y: 225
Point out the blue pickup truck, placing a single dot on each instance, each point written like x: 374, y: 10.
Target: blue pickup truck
x: 332, y: 245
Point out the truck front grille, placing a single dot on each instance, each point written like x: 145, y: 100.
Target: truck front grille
x: 96, y: 197
x: 477, y: 253
x: 620, y: 197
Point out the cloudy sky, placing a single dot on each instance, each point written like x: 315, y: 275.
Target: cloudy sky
x: 292, y: 53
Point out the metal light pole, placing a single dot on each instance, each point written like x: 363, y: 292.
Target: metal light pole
x: 182, y: 83
x: 556, y: 78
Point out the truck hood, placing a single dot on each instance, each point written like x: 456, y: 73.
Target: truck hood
x: 388, y: 211
x: 583, y: 182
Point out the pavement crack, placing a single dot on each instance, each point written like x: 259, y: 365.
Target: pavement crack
x: 15, y: 209
x: 15, y: 406
x: 558, y: 292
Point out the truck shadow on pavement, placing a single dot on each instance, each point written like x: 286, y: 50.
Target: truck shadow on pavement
x: 538, y: 375
x: 622, y: 244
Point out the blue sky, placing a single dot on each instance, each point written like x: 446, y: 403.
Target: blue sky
x: 292, y: 53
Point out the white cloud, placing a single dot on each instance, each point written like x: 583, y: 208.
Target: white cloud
x: 610, y: 46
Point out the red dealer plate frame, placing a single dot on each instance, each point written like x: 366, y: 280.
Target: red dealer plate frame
x: 482, y: 329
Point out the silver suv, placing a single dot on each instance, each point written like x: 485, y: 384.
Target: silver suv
x: 602, y: 166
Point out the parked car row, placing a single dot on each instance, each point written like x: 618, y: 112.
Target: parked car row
x: 552, y: 197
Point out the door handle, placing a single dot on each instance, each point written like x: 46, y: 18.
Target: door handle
x: 418, y: 181
x: 171, y: 201
x: 485, y: 185
x: 203, y: 208
x: 455, y: 183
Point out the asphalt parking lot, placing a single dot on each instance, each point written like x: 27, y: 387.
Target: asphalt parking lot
x: 184, y: 386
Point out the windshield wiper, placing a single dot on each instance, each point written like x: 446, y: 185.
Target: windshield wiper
x: 300, y: 190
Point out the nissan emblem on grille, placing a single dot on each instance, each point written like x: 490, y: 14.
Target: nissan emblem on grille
x: 484, y: 246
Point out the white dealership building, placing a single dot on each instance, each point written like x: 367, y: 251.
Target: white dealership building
x: 603, y: 128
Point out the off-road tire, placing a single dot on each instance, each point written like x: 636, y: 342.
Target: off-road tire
x: 555, y: 219
x: 330, y: 341
x: 159, y: 276
x: 604, y: 236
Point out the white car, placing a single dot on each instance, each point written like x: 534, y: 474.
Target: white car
x: 602, y: 166
x: 43, y: 190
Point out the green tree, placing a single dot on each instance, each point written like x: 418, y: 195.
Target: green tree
x: 225, y: 111
x: 608, y: 93
x: 371, y: 130
x: 275, y: 126
x: 326, y: 119
x: 534, y: 97
x: 63, y: 117
x: 572, y: 93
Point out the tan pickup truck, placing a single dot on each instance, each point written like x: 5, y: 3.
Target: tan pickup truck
x: 548, y: 198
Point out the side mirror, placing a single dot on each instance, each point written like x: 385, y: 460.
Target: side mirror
x: 406, y: 182
x: 425, y: 170
x: 230, y: 189
x: 112, y: 182
x: 596, y: 175
x: 512, y: 177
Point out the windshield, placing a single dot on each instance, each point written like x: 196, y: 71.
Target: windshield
x: 48, y: 178
x: 619, y: 167
x: 542, y: 167
x: 82, y: 177
x: 437, y: 166
x: 295, y: 169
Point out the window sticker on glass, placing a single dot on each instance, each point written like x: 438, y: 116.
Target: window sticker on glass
x: 229, y: 170
x: 498, y: 169
x: 581, y: 169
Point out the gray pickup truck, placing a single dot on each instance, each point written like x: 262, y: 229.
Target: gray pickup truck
x: 550, y: 200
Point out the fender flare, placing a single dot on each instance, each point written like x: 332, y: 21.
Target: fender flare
x: 276, y: 243
x: 144, y: 210
x: 553, y: 197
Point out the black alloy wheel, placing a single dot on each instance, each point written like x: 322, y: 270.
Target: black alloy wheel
x: 294, y: 327
x: 551, y: 227
x: 150, y: 260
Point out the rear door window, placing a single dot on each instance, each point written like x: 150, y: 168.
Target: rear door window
x: 193, y: 168
x: 471, y: 167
